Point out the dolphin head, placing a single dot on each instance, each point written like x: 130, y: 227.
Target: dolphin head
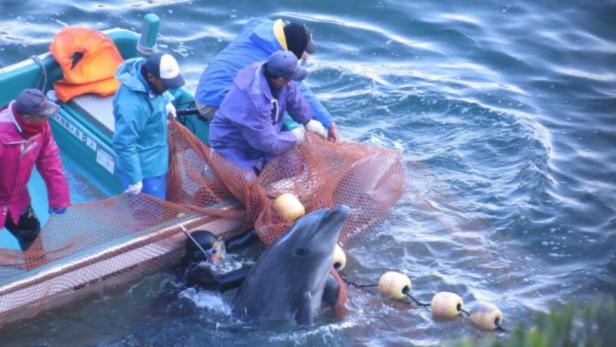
x: 314, y: 235
x: 289, y: 278
x: 310, y: 243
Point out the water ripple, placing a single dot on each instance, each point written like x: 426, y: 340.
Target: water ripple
x: 505, y: 119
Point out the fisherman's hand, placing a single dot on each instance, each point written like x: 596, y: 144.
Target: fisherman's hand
x: 134, y: 189
x: 170, y: 108
x: 299, y: 133
x: 314, y: 126
x: 332, y: 133
x: 59, y: 210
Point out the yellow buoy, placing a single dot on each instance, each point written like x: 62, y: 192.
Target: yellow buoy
x: 394, y: 285
x: 289, y: 206
x: 339, y: 260
x: 486, y: 316
x: 446, y: 305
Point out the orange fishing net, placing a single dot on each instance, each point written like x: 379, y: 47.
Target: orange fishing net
x: 111, y: 241
x: 320, y: 173
x: 90, y: 246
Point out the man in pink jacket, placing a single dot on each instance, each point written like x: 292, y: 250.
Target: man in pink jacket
x: 25, y: 140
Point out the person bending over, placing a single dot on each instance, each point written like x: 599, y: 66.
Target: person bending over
x: 258, y: 39
x: 247, y: 128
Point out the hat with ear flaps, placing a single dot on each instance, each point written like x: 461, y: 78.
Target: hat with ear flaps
x: 299, y: 39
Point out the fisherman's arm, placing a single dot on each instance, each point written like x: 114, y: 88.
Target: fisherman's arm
x: 297, y: 105
x: 232, y: 279
x: 130, y: 121
x: 204, y: 277
x: 320, y: 112
x: 261, y: 134
x: 300, y: 110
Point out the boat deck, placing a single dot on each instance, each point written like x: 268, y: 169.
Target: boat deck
x: 98, y: 109
x: 118, y: 261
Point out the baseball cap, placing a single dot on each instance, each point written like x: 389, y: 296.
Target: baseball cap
x: 299, y: 39
x: 165, y: 67
x: 34, y: 103
x: 284, y: 64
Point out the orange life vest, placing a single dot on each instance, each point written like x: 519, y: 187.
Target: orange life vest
x: 88, y: 60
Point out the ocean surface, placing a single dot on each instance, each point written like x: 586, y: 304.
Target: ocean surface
x: 505, y: 113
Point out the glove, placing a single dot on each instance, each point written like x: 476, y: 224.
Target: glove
x: 134, y: 189
x: 60, y: 210
x: 316, y: 127
x: 299, y: 133
x: 170, y: 109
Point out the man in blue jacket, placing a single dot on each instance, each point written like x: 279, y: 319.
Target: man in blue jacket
x: 246, y: 129
x: 257, y: 41
x: 140, y: 107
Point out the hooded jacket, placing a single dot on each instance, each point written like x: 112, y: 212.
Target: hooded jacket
x: 18, y: 157
x: 255, y: 43
x: 140, y: 137
x: 246, y: 129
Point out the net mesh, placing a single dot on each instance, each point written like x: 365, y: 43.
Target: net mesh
x: 318, y: 172
x: 110, y: 241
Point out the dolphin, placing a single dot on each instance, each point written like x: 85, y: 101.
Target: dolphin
x: 292, y: 277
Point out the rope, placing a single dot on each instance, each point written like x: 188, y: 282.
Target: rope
x: 42, y: 73
x: 356, y: 285
x: 407, y: 293
x: 499, y: 327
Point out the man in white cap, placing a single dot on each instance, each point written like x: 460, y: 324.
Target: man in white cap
x: 141, y: 107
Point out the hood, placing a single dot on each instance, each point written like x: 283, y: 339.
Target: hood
x: 129, y: 74
x: 263, y: 36
x: 252, y: 81
x: 8, y: 127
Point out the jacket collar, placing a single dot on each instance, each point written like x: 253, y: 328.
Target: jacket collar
x: 259, y: 84
x: 129, y: 73
x: 10, y: 132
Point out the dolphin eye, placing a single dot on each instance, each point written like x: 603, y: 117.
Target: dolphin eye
x: 299, y: 251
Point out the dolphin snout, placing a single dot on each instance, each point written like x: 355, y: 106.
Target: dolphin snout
x: 340, y: 210
x: 336, y: 217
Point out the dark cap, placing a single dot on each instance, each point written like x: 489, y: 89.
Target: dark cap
x: 299, y: 39
x: 33, y: 102
x: 165, y: 67
x: 284, y: 64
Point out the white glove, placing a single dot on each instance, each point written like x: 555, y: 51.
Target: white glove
x: 170, y: 110
x: 316, y: 127
x: 299, y: 133
x: 134, y: 189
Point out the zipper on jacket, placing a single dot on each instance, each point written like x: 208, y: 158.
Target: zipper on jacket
x: 275, y: 103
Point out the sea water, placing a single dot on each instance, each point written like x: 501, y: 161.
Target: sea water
x: 505, y: 115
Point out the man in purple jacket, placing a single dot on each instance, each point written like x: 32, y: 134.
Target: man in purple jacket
x: 246, y: 129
